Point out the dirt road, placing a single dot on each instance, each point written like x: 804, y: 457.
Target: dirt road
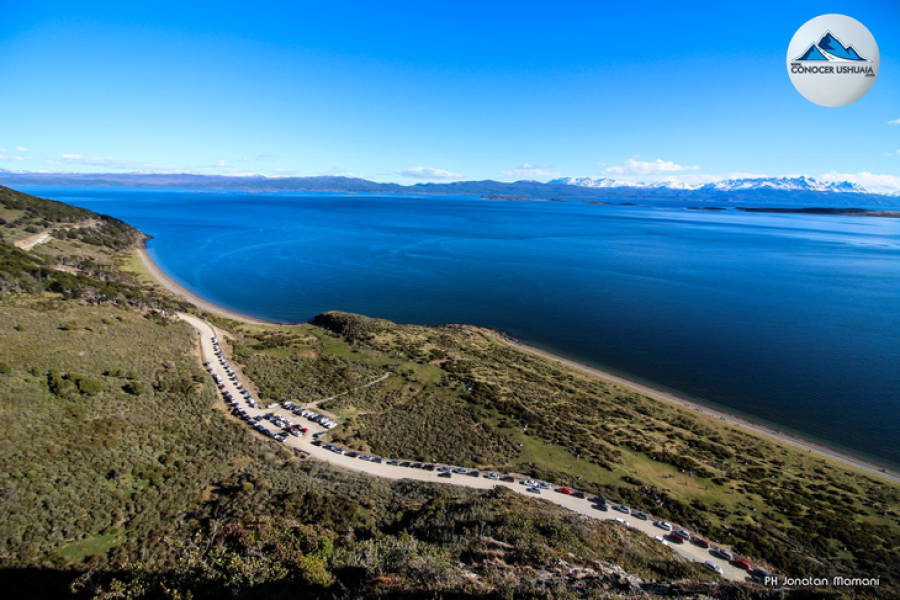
x: 581, y: 506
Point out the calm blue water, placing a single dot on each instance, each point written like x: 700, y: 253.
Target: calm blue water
x: 791, y: 320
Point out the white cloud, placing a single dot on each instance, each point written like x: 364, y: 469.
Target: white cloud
x: 530, y: 171
x: 894, y: 122
x: 428, y: 173
x: 877, y: 184
x: 102, y: 161
x: 21, y: 149
x: 638, y: 167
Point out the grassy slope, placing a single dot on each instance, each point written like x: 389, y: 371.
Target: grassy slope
x: 803, y: 514
x: 116, y: 454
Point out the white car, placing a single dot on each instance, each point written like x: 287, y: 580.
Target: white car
x: 663, y: 525
x: 529, y: 483
x: 712, y: 567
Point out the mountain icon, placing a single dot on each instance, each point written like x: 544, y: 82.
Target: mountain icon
x: 813, y: 53
x: 830, y: 48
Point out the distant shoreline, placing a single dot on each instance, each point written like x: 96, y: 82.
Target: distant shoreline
x: 777, y: 435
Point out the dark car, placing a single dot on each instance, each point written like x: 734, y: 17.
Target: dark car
x: 508, y: 478
x: 446, y: 474
x: 578, y: 494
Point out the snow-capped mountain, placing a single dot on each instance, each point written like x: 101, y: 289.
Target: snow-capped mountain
x: 603, y: 182
x: 800, y: 183
x: 793, y: 184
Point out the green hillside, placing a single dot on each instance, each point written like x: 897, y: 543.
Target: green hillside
x: 124, y: 477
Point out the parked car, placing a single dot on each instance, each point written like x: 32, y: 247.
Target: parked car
x: 622, y: 509
x: 394, y: 463
x: 741, y: 563
x: 721, y: 553
x: 601, y: 506
x: 508, y: 478
x: 663, y: 525
x: 528, y: 482
x: 461, y: 470
x: 622, y: 521
x: 491, y: 476
x: 445, y: 469
x: 577, y: 494
x: 641, y: 515
x: 446, y: 474
x: 712, y: 567
x: 699, y: 541
x: 534, y: 489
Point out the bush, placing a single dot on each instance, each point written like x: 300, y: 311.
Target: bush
x: 90, y: 387
x: 5, y: 369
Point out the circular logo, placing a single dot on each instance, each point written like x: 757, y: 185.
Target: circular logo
x: 833, y: 60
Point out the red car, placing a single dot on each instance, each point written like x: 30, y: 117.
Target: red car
x: 700, y: 542
x: 564, y: 490
x: 741, y: 563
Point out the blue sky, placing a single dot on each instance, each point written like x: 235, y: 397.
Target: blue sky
x: 435, y: 90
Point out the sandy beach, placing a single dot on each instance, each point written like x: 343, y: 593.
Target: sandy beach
x: 177, y: 289
x: 729, y: 418
x: 763, y: 430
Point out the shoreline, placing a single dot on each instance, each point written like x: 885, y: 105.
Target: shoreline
x: 740, y: 422
x: 179, y: 290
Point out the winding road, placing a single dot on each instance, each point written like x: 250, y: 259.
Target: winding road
x: 581, y: 506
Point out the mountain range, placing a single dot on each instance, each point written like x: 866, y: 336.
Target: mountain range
x: 747, y: 189
x: 800, y: 183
